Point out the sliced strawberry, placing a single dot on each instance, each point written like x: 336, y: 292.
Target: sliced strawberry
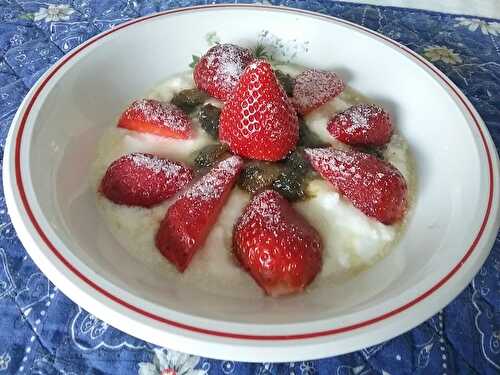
x: 143, y: 180
x: 362, y: 125
x: 259, y: 122
x: 372, y: 185
x: 155, y: 117
x: 275, y: 244
x: 314, y: 88
x: 219, y: 70
x: 189, y: 220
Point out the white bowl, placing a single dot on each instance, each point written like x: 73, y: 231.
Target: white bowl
x: 52, y: 143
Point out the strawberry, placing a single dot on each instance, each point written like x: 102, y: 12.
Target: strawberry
x: 314, y: 88
x: 218, y: 71
x: 362, y: 125
x: 372, y: 185
x: 188, y: 221
x: 155, y: 117
x: 259, y: 122
x: 143, y: 180
x: 275, y: 244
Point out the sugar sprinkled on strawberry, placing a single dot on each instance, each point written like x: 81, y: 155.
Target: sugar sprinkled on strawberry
x: 314, y: 88
x: 156, y: 117
x: 190, y: 218
x: 362, y: 124
x: 155, y: 164
x: 259, y: 122
x: 372, y: 185
x: 143, y: 180
x: 276, y: 245
x: 219, y: 70
x: 212, y: 185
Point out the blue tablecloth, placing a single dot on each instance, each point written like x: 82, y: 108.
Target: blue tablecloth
x: 43, y: 332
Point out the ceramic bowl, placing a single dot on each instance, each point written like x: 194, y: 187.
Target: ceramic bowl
x: 52, y: 143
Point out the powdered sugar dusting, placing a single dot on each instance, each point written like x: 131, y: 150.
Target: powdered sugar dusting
x: 359, y: 118
x: 263, y: 206
x: 348, y: 164
x: 254, y: 64
x: 159, y: 113
x: 314, y: 88
x: 229, y: 62
x: 212, y: 185
x: 219, y: 70
x: 155, y: 164
x: 268, y: 207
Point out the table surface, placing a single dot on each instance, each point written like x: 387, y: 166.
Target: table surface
x: 43, y: 332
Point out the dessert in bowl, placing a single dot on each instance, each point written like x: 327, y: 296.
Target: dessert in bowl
x: 51, y: 152
x: 291, y: 134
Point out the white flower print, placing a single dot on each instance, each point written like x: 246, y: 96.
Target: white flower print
x: 444, y: 54
x: 4, y: 361
x: 54, y: 13
x: 307, y: 368
x: 170, y: 362
x: 487, y: 28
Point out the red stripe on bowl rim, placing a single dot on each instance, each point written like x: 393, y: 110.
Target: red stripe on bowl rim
x: 232, y: 335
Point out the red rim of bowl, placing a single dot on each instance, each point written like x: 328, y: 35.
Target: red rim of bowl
x: 175, y: 324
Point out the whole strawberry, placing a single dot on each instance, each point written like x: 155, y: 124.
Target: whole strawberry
x: 219, y: 70
x: 275, y: 244
x: 190, y: 218
x: 143, y: 180
x: 362, y: 125
x: 259, y: 121
x: 372, y: 185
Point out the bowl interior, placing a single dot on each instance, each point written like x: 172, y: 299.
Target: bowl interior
x: 90, y: 94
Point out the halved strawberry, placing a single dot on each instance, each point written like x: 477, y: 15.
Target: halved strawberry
x: 362, y: 124
x: 155, y: 117
x: 219, y: 70
x: 189, y: 220
x: 259, y: 122
x: 372, y: 185
x: 143, y: 180
x: 275, y: 244
x: 314, y: 88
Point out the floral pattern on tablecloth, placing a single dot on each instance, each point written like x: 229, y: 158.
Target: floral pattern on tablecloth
x: 43, y: 332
